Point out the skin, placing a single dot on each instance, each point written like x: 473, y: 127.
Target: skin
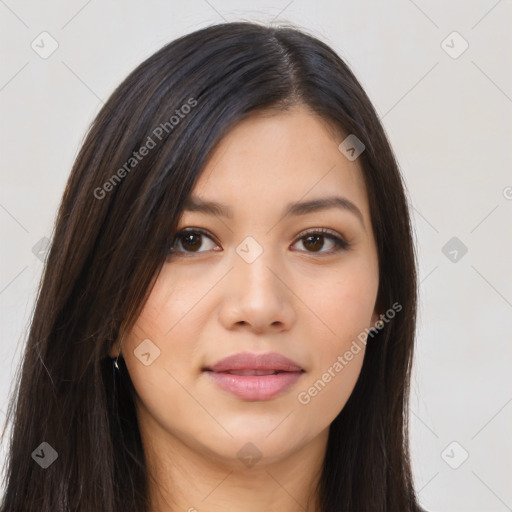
x: 297, y: 298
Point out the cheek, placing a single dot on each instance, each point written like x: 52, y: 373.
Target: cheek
x: 172, y: 313
x: 325, y: 394
x: 162, y: 386
x: 345, y: 306
x: 336, y: 363
x: 163, y: 402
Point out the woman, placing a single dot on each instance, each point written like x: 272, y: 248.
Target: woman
x: 227, y: 313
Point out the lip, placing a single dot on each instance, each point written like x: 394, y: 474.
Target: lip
x: 255, y: 377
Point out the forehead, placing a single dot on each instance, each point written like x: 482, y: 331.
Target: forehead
x: 273, y: 158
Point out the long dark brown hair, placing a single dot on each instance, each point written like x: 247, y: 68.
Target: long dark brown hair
x: 112, y: 237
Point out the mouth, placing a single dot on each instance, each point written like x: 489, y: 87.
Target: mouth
x: 255, y: 377
x: 252, y: 372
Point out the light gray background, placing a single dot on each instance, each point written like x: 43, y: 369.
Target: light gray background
x: 448, y: 119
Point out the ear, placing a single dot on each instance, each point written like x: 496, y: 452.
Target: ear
x: 114, y: 349
x: 375, y: 318
x: 377, y: 311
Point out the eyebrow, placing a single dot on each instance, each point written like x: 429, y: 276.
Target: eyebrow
x: 195, y: 204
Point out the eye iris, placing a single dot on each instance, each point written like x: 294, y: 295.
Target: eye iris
x: 316, y: 246
x: 186, y: 240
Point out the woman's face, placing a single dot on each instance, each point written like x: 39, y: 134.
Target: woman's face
x: 259, y: 286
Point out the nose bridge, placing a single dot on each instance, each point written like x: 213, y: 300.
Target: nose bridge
x: 253, y: 262
x: 255, y: 295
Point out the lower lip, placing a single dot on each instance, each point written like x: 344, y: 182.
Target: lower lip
x: 255, y: 387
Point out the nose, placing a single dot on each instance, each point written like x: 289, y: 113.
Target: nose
x: 257, y: 296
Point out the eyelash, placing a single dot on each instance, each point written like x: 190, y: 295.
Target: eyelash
x: 340, y: 243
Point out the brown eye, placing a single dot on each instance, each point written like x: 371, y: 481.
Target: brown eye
x: 190, y: 242
x: 314, y: 242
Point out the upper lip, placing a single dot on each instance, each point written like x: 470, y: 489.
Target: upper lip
x: 248, y: 361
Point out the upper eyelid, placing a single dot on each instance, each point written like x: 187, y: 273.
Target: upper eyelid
x: 201, y: 231
x: 323, y: 231
x: 326, y: 231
